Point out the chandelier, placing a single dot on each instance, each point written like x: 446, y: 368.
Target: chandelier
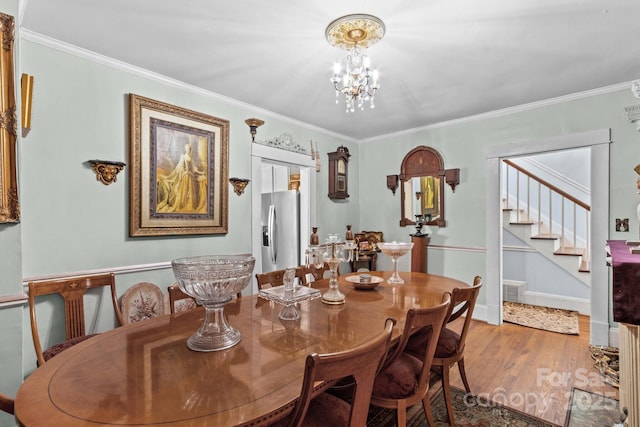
x: 358, y: 82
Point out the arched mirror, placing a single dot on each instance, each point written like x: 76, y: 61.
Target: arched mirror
x: 422, y: 178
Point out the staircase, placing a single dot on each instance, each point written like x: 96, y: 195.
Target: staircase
x: 551, y: 221
x: 571, y: 259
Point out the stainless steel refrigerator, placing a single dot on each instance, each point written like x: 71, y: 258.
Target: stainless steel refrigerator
x: 280, y: 230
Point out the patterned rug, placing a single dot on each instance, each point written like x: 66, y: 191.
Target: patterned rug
x: 470, y: 411
x: 535, y: 316
x: 592, y: 410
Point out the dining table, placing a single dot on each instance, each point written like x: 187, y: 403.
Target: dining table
x: 143, y: 374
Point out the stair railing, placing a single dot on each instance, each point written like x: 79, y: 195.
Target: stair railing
x: 578, y: 208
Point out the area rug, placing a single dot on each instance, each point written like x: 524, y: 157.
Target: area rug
x: 470, y: 411
x: 588, y: 409
x: 535, y: 316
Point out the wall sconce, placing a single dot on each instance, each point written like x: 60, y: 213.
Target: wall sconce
x: 633, y: 113
x: 106, y: 170
x: 452, y: 177
x: 26, y: 85
x: 392, y: 183
x: 254, y: 124
x: 315, y: 155
x: 239, y: 184
x: 418, y: 194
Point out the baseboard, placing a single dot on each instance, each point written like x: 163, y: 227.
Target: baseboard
x: 582, y: 306
x: 480, y: 312
x: 614, y: 337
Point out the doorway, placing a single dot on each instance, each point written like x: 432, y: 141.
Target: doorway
x: 547, y: 196
x: 264, y: 158
x: 598, y: 140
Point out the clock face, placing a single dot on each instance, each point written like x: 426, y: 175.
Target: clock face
x: 341, y: 166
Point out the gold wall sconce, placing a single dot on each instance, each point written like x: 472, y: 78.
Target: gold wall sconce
x: 254, y: 124
x: 239, y: 184
x: 106, y: 170
x: 26, y: 85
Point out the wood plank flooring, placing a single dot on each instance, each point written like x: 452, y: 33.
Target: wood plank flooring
x: 529, y: 369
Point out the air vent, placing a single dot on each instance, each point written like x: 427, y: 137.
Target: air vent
x: 513, y: 290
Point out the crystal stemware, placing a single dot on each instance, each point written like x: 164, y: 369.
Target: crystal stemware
x: 213, y: 280
x: 395, y: 250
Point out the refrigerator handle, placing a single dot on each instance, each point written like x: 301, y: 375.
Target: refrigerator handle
x: 273, y: 247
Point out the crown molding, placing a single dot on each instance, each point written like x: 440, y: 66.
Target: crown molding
x: 508, y: 111
x: 132, y: 69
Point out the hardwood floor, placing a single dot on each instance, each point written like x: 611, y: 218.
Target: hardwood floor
x: 529, y: 369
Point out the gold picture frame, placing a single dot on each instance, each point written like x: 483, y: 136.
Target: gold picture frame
x: 179, y: 170
x: 9, y: 205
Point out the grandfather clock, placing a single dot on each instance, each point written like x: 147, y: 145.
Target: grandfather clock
x: 339, y: 173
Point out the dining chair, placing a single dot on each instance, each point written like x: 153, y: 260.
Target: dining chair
x: 179, y: 301
x: 6, y: 404
x: 141, y: 301
x: 313, y: 273
x: 360, y: 364
x: 451, y: 344
x: 276, y: 278
x: 72, y: 290
x: 403, y: 380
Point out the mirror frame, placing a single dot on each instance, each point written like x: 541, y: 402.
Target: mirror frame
x: 419, y: 162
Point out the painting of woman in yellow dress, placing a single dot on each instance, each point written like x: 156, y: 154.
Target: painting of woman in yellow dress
x: 182, y: 184
x: 431, y: 194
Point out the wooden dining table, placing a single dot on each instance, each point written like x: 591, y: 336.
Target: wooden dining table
x: 143, y: 374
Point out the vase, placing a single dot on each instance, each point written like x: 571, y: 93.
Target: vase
x: 314, y: 240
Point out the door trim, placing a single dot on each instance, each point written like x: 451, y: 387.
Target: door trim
x: 599, y: 141
x: 262, y: 154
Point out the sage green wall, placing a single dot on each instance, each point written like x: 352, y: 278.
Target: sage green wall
x: 463, y: 145
x: 11, y: 320
x: 73, y: 223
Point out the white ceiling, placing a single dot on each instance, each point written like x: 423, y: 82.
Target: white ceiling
x: 439, y: 60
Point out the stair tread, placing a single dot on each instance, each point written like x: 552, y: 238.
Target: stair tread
x: 569, y: 250
x: 584, y: 267
x: 546, y: 236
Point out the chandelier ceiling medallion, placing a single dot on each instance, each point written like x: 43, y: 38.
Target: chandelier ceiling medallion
x: 358, y: 82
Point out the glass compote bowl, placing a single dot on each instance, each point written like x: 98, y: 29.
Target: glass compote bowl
x: 395, y: 250
x: 213, y: 280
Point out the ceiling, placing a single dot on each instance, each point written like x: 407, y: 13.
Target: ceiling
x: 439, y: 60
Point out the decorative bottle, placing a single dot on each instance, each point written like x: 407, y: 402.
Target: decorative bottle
x: 348, y: 235
x: 314, y: 240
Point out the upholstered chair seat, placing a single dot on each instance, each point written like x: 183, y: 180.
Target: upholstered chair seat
x: 324, y: 410
x: 448, y: 343
x: 58, y: 348
x: 400, y: 380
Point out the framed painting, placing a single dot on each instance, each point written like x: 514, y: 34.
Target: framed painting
x: 179, y: 168
x: 9, y: 206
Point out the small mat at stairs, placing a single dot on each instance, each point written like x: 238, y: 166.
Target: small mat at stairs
x: 546, y: 318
